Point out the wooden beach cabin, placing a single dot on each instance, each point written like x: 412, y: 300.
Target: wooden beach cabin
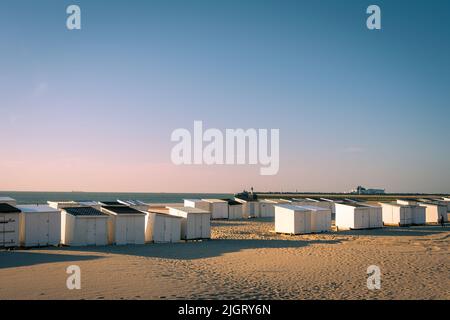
x: 351, y: 215
x: 161, y: 227
x: 84, y: 226
x: 9, y: 225
x: 40, y: 225
x: 234, y: 209
x: 320, y: 218
x: 395, y: 214
x: 196, y: 223
x: 434, y: 211
x: 292, y: 219
x: 125, y: 225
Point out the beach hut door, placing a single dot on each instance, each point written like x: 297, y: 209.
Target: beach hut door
x: 91, y: 231
x: 129, y: 236
x: 7, y: 230
x: 43, y: 229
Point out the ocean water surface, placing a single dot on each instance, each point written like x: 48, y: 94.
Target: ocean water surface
x: 43, y: 197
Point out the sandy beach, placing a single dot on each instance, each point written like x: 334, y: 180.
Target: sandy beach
x: 244, y: 260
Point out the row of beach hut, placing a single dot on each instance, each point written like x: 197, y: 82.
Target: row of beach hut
x: 79, y: 223
x: 297, y: 216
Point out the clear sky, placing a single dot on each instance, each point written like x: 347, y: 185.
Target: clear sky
x: 93, y: 109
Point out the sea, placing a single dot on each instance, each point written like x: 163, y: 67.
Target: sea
x: 43, y: 197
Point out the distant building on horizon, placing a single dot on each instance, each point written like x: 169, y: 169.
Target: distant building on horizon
x: 362, y: 190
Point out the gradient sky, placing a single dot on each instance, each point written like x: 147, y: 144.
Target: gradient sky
x: 93, y: 110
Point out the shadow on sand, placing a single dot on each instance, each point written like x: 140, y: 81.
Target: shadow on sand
x: 233, y: 223
x: 183, y: 250
x: 411, y: 231
x: 202, y: 249
x: 22, y: 258
x: 193, y: 249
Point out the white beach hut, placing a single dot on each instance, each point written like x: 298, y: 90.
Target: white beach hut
x: 9, y: 225
x: 250, y: 208
x: 83, y: 226
x: 395, y: 214
x: 267, y: 208
x: 196, y: 223
x: 194, y: 203
x: 62, y: 204
x: 218, y: 208
x: 375, y: 216
x: 8, y: 200
x: 40, y: 225
x: 162, y: 227
x: 357, y: 216
x: 125, y: 225
x: 234, y: 209
x: 434, y: 211
x: 418, y: 215
x: 418, y: 212
x: 292, y: 219
x: 332, y: 202
x: 320, y: 218
x: 446, y: 201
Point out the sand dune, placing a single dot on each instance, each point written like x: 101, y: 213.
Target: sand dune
x: 243, y: 261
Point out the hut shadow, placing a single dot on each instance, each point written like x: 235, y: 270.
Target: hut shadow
x: 202, y: 249
x: 239, y: 222
x: 13, y: 259
x: 411, y: 231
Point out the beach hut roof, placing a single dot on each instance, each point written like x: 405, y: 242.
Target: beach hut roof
x: 213, y: 200
x: 394, y: 204
x: 311, y: 199
x: 87, y: 202
x: 291, y: 207
x: 83, y: 211
x: 428, y: 200
x: 7, y: 208
x: 6, y: 199
x: 132, y: 202
x: 332, y: 199
x: 407, y: 199
x: 353, y: 200
x: 36, y: 208
x: 189, y: 209
x: 111, y: 203
x: 354, y: 204
x: 163, y: 212
x: 246, y: 199
x: 232, y: 202
x: 122, y: 210
x: 194, y: 200
x: 314, y: 208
